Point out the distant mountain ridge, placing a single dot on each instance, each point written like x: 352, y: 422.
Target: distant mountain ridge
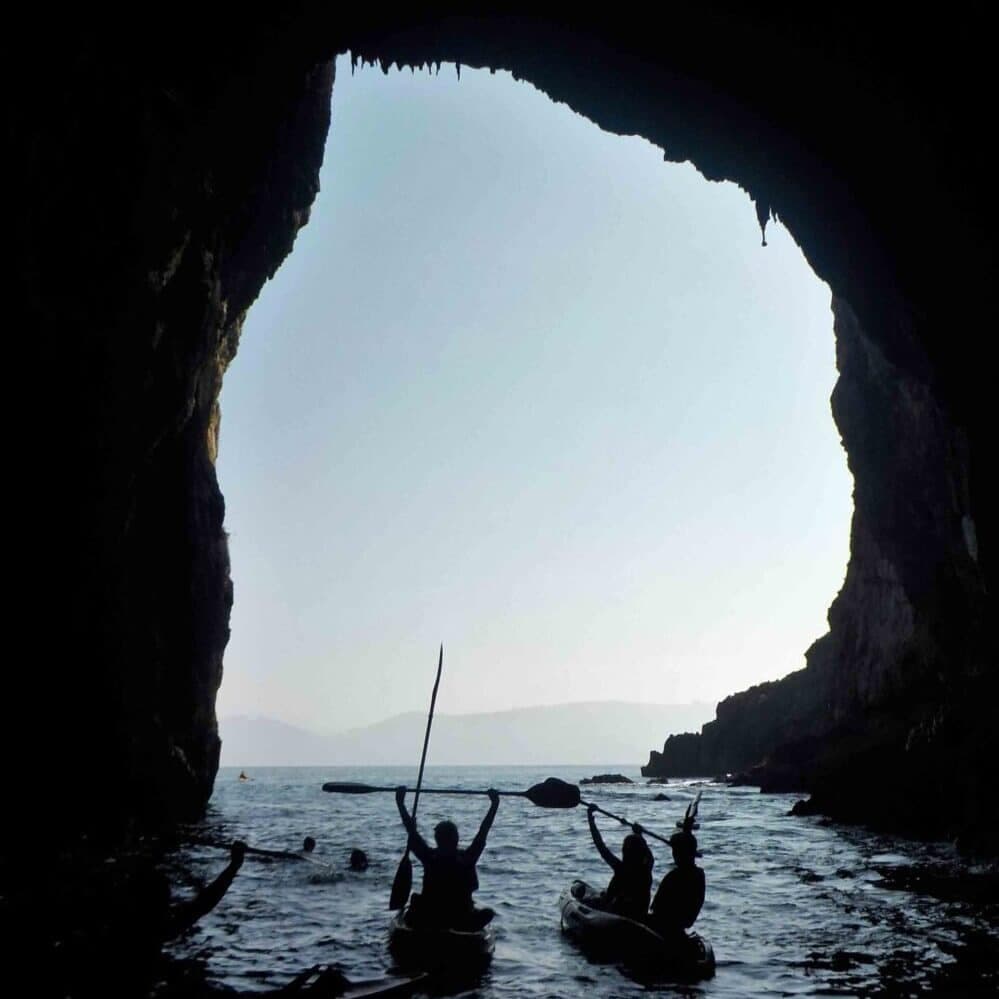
x: 587, y: 732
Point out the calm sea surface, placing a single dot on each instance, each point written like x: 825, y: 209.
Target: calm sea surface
x: 795, y: 906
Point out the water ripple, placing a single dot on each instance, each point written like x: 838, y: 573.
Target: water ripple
x: 795, y: 906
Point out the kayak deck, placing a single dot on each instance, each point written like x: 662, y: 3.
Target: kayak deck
x: 606, y: 936
x: 439, y: 949
x: 329, y: 982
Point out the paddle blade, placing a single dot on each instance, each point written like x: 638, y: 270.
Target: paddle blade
x: 689, y: 820
x: 553, y: 793
x: 403, y: 883
x: 351, y: 787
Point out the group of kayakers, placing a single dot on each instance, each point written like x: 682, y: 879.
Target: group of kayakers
x: 680, y: 895
x: 449, y: 876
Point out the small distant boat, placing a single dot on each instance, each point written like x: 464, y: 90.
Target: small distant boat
x: 242, y: 775
x: 607, y: 936
x: 433, y: 949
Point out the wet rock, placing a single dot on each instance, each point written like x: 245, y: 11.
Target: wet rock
x: 662, y: 797
x: 839, y: 960
x: 948, y: 884
x: 974, y: 972
x: 803, y: 807
x: 607, y: 779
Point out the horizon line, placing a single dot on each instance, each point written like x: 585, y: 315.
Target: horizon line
x: 469, y: 714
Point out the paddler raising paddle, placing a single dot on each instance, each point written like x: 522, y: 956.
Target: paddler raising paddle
x: 681, y: 893
x: 449, y: 877
x: 631, y: 886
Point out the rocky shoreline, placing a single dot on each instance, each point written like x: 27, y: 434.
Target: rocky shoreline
x: 890, y: 721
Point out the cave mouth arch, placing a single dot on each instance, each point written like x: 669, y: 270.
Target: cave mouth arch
x: 192, y: 176
x: 554, y: 292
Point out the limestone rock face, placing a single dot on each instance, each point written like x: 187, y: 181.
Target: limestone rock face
x: 161, y: 188
x: 158, y: 183
x: 882, y: 720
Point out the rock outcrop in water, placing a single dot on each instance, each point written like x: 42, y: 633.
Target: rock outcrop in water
x: 888, y: 721
x: 160, y: 182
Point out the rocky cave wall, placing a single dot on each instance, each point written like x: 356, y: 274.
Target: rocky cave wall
x: 161, y: 175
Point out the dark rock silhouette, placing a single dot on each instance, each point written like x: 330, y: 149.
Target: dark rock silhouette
x: 160, y: 184
x: 607, y: 779
x: 191, y: 177
x: 803, y: 807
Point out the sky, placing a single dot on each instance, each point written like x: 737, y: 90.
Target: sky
x: 528, y: 390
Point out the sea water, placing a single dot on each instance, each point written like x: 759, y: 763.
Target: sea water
x: 794, y: 906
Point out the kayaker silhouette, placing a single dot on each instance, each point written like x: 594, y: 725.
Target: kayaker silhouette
x: 631, y: 886
x: 680, y: 895
x: 449, y: 876
x: 308, y: 844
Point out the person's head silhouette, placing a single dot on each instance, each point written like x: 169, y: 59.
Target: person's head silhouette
x: 446, y: 836
x: 635, y: 851
x: 684, y: 848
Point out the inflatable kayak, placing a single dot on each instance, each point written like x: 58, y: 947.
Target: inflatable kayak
x: 604, y: 935
x: 432, y: 948
x: 329, y: 982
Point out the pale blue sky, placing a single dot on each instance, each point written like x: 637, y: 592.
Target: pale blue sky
x: 525, y: 388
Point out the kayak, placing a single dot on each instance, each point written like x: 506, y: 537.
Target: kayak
x: 330, y: 983
x: 605, y: 935
x: 326, y: 982
x: 430, y: 948
x: 372, y: 987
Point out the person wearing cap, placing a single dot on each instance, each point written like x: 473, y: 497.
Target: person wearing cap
x: 680, y: 895
x: 631, y: 885
x: 449, y: 876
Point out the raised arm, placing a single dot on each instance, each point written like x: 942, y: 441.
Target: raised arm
x: 186, y: 914
x: 598, y: 840
x: 478, y: 844
x: 416, y: 842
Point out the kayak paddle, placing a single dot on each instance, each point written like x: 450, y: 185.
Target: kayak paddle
x: 257, y: 850
x: 552, y: 793
x: 624, y: 822
x: 403, y: 883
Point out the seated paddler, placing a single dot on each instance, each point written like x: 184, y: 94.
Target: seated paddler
x: 681, y: 894
x: 631, y: 885
x: 449, y: 876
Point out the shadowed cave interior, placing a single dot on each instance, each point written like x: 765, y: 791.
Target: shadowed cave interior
x: 187, y: 210
x: 190, y: 177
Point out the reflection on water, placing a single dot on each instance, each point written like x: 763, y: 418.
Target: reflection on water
x: 794, y: 907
